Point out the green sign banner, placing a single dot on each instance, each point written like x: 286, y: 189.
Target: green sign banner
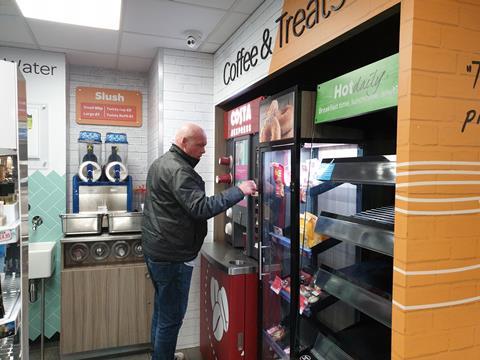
x: 367, y: 89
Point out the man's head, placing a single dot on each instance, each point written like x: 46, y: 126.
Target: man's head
x: 192, y: 140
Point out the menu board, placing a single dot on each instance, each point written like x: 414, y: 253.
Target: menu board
x: 100, y: 106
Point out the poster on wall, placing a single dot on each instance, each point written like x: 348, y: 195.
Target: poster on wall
x: 115, y: 107
x: 276, y: 117
x: 370, y: 88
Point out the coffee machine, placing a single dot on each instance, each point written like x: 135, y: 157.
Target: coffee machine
x: 240, y: 164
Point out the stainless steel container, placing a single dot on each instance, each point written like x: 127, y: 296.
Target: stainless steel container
x: 122, y: 222
x: 81, y: 224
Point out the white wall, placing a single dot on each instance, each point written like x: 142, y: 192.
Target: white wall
x: 187, y: 82
x: 155, y: 108
x: 137, y: 136
x: 45, y: 87
x: 249, y: 34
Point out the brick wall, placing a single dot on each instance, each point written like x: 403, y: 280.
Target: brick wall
x: 436, y: 311
x: 137, y: 136
x: 186, y: 95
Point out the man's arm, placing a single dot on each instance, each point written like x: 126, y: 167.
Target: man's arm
x: 194, y: 200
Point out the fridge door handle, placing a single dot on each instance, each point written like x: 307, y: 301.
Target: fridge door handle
x: 261, y: 274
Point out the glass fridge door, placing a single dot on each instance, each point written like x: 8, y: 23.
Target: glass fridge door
x: 275, y: 252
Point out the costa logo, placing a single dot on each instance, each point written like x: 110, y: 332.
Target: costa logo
x: 241, y: 115
x: 219, y: 302
x: 242, y: 120
x: 305, y: 357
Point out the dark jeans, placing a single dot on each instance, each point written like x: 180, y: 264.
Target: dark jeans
x: 172, y: 284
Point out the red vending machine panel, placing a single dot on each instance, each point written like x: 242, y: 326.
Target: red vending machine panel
x: 228, y: 314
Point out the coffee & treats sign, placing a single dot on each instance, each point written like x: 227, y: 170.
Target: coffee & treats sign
x: 289, y: 26
x: 242, y: 120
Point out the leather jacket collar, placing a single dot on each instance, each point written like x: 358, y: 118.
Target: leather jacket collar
x: 191, y: 160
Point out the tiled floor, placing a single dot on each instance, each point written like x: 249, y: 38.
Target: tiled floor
x: 52, y: 353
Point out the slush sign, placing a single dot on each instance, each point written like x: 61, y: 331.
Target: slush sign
x: 372, y: 87
x: 242, y: 120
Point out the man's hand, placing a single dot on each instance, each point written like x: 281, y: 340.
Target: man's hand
x: 248, y: 187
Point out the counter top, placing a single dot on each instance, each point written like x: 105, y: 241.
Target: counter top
x: 102, y: 237
x: 228, y: 259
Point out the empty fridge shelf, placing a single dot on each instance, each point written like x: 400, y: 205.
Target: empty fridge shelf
x: 380, y: 216
x: 365, y: 286
x: 374, y: 170
x: 371, y: 229
x: 357, y: 342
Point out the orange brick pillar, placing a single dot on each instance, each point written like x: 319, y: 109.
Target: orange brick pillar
x: 436, y: 295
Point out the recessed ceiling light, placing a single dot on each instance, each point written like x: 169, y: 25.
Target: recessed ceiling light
x: 104, y: 14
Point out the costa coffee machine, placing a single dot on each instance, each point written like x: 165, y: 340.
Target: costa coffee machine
x: 240, y: 164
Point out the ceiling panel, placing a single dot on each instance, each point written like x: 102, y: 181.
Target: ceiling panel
x: 231, y: 23
x: 86, y: 58
x: 147, y: 45
x: 168, y: 18
x: 18, y: 45
x: 9, y: 7
x: 209, y: 47
x: 146, y: 26
x: 219, y: 4
x: 74, y: 37
x: 13, y: 29
x: 132, y: 63
x: 247, y: 6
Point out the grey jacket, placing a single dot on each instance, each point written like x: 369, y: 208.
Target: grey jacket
x: 176, y: 208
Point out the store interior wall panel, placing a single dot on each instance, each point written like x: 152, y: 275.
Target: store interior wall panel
x: 137, y: 136
x: 436, y: 312
x: 186, y: 92
x: 155, y: 106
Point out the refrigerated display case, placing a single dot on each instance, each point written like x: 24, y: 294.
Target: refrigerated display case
x: 326, y: 231
x: 13, y: 209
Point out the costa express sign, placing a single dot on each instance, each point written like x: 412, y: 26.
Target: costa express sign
x: 242, y: 120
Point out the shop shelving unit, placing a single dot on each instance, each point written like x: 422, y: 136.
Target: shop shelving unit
x: 13, y: 151
x: 363, y: 285
x: 366, y: 286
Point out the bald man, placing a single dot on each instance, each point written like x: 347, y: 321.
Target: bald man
x: 174, y: 228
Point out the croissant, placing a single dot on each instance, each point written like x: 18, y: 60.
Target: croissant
x: 271, y: 129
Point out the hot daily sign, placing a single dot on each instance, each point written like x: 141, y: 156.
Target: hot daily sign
x: 372, y: 87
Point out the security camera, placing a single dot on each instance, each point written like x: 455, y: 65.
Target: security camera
x: 192, y: 39
x: 191, y: 42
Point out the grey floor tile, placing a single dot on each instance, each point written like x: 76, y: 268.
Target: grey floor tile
x: 52, y: 353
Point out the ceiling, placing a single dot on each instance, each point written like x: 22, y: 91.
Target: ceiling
x: 145, y: 25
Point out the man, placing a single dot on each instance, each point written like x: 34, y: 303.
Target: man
x: 175, y: 224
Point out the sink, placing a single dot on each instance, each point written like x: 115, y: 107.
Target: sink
x: 41, y: 259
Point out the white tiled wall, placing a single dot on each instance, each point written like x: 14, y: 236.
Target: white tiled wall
x: 155, y: 109
x: 186, y: 79
x: 137, y: 136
